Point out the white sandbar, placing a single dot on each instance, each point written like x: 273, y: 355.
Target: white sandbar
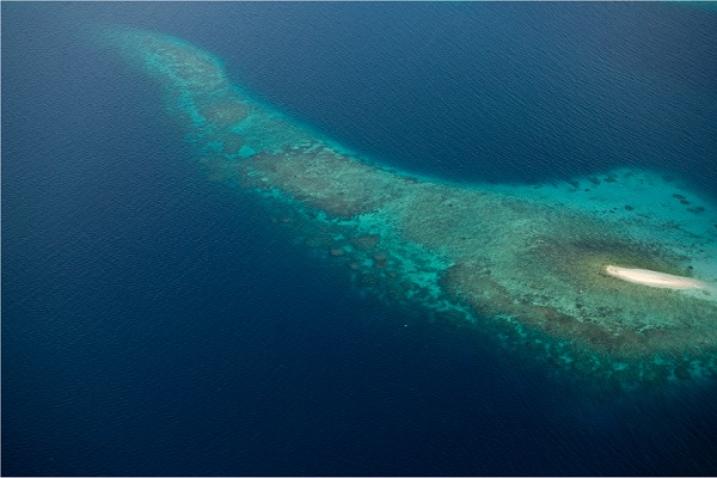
x: 654, y: 279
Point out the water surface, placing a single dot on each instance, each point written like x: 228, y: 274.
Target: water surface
x: 152, y: 327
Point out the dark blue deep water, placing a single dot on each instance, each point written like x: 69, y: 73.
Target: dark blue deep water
x: 153, y: 323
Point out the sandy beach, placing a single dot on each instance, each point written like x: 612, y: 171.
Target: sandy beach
x: 653, y: 278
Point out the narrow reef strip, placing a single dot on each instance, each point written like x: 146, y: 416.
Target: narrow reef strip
x: 537, y: 264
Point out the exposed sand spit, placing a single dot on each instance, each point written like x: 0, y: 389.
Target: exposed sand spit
x: 653, y: 278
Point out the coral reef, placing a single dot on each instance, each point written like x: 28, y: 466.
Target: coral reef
x: 525, y: 261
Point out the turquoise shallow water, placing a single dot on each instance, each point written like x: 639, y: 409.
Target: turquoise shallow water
x: 167, y: 331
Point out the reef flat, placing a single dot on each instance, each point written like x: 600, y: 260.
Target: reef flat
x: 528, y: 263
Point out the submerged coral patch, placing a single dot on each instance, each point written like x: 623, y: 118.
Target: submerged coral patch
x: 531, y: 263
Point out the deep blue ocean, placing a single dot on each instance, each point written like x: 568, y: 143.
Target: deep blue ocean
x: 155, y: 324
